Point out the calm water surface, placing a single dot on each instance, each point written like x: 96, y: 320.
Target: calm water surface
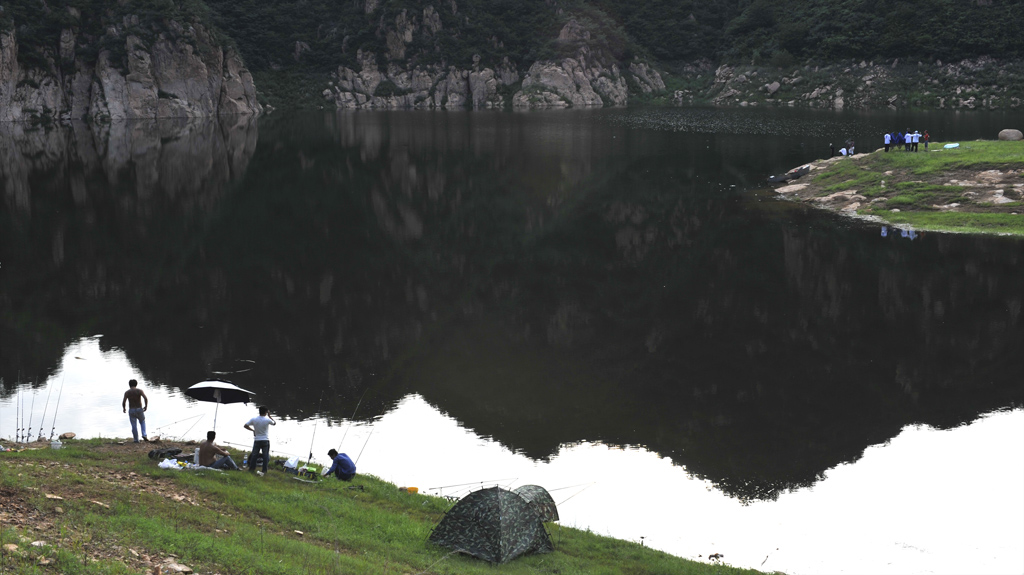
x: 607, y: 303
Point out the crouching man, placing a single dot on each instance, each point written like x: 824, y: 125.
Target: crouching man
x: 342, y: 468
x: 208, y: 452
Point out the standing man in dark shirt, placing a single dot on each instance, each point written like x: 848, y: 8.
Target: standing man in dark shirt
x: 136, y: 410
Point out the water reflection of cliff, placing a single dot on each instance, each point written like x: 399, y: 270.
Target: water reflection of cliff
x: 544, y: 279
x: 95, y: 217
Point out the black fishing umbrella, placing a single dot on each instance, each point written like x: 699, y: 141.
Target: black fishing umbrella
x: 218, y: 392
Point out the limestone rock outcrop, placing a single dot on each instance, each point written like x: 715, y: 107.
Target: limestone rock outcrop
x: 589, y: 79
x: 181, y: 73
x: 418, y: 87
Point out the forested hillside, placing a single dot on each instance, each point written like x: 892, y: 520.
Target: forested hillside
x: 732, y: 31
x: 39, y: 25
x: 296, y: 49
x: 787, y: 30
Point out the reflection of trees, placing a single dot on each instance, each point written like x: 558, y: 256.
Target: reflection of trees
x: 542, y: 278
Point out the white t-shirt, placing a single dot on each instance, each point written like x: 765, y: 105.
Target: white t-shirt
x: 888, y: 139
x: 917, y: 138
x: 842, y: 151
x: 261, y: 425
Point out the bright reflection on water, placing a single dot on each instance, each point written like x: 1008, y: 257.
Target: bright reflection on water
x: 927, y: 501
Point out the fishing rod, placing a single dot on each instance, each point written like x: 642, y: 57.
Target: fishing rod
x: 571, y: 486
x: 56, y: 408
x: 344, y: 435
x: 21, y: 395
x: 176, y: 422
x: 193, y: 425
x: 249, y: 447
x: 17, y: 408
x: 28, y: 435
x: 317, y: 421
x: 42, y: 421
x: 574, y: 494
x: 495, y: 481
x: 372, y: 429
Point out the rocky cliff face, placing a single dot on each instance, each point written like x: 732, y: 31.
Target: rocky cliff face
x: 588, y: 79
x: 181, y: 72
x: 418, y: 86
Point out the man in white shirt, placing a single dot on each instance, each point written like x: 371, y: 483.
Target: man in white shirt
x: 260, y: 426
x: 888, y: 141
x: 915, y: 138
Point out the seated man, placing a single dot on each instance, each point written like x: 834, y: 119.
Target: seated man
x: 208, y: 452
x: 342, y: 468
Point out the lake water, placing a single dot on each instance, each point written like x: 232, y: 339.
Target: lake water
x: 607, y: 303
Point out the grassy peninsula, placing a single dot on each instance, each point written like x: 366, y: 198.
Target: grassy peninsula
x: 100, y: 507
x: 977, y: 187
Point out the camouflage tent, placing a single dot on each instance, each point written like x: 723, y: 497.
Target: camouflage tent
x: 493, y: 524
x: 540, y: 500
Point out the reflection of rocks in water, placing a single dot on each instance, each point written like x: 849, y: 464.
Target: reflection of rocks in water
x: 184, y: 163
x: 90, y: 209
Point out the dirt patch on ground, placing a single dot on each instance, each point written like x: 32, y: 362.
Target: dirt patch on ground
x: 41, y: 516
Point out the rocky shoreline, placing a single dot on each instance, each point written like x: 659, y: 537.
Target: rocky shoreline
x: 900, y: 192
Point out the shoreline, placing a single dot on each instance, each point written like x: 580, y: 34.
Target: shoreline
x: 976, y: 188
x: 99, y: 503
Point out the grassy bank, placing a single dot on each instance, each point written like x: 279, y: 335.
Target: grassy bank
x: 98, y: 507
x: 975, y: 188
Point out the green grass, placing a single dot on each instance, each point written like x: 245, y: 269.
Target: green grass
x: 915, y: 183
x: 965, y: 222
x: 974, y: 155
x: 237, y: 523
x: 850, y: 176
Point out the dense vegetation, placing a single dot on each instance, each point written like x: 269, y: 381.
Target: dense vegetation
x: 669, y: 30
x: 762, y: 31
x: 788, y: 30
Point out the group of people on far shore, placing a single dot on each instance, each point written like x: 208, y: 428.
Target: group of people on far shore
x: 211, y: 455
x: 908, y: 140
